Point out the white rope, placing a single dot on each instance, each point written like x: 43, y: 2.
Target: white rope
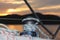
x: 3, y: 25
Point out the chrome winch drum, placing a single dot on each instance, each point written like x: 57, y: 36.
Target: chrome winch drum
x: 31, y: 24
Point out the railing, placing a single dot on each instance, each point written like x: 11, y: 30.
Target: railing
x: 19, y: 21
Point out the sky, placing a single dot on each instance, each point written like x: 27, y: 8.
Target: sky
x: 51, y: 7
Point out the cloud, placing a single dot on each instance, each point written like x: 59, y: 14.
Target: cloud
x: 6, y: 0
x: 9, y: 5
x: 50, y: 7
x: 19, y: 5
x: 43, y: 3
x: 4, y: 6
x: 17, y: 10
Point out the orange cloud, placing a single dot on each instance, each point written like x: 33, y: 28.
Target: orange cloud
x: 16, y: 10
x: 11, y: 11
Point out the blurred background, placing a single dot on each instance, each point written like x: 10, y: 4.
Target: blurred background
x: 18, y: 7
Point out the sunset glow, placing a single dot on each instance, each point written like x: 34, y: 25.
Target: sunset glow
x: 19, y: 7
x: 3, y: 14
x: 17, y: 10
